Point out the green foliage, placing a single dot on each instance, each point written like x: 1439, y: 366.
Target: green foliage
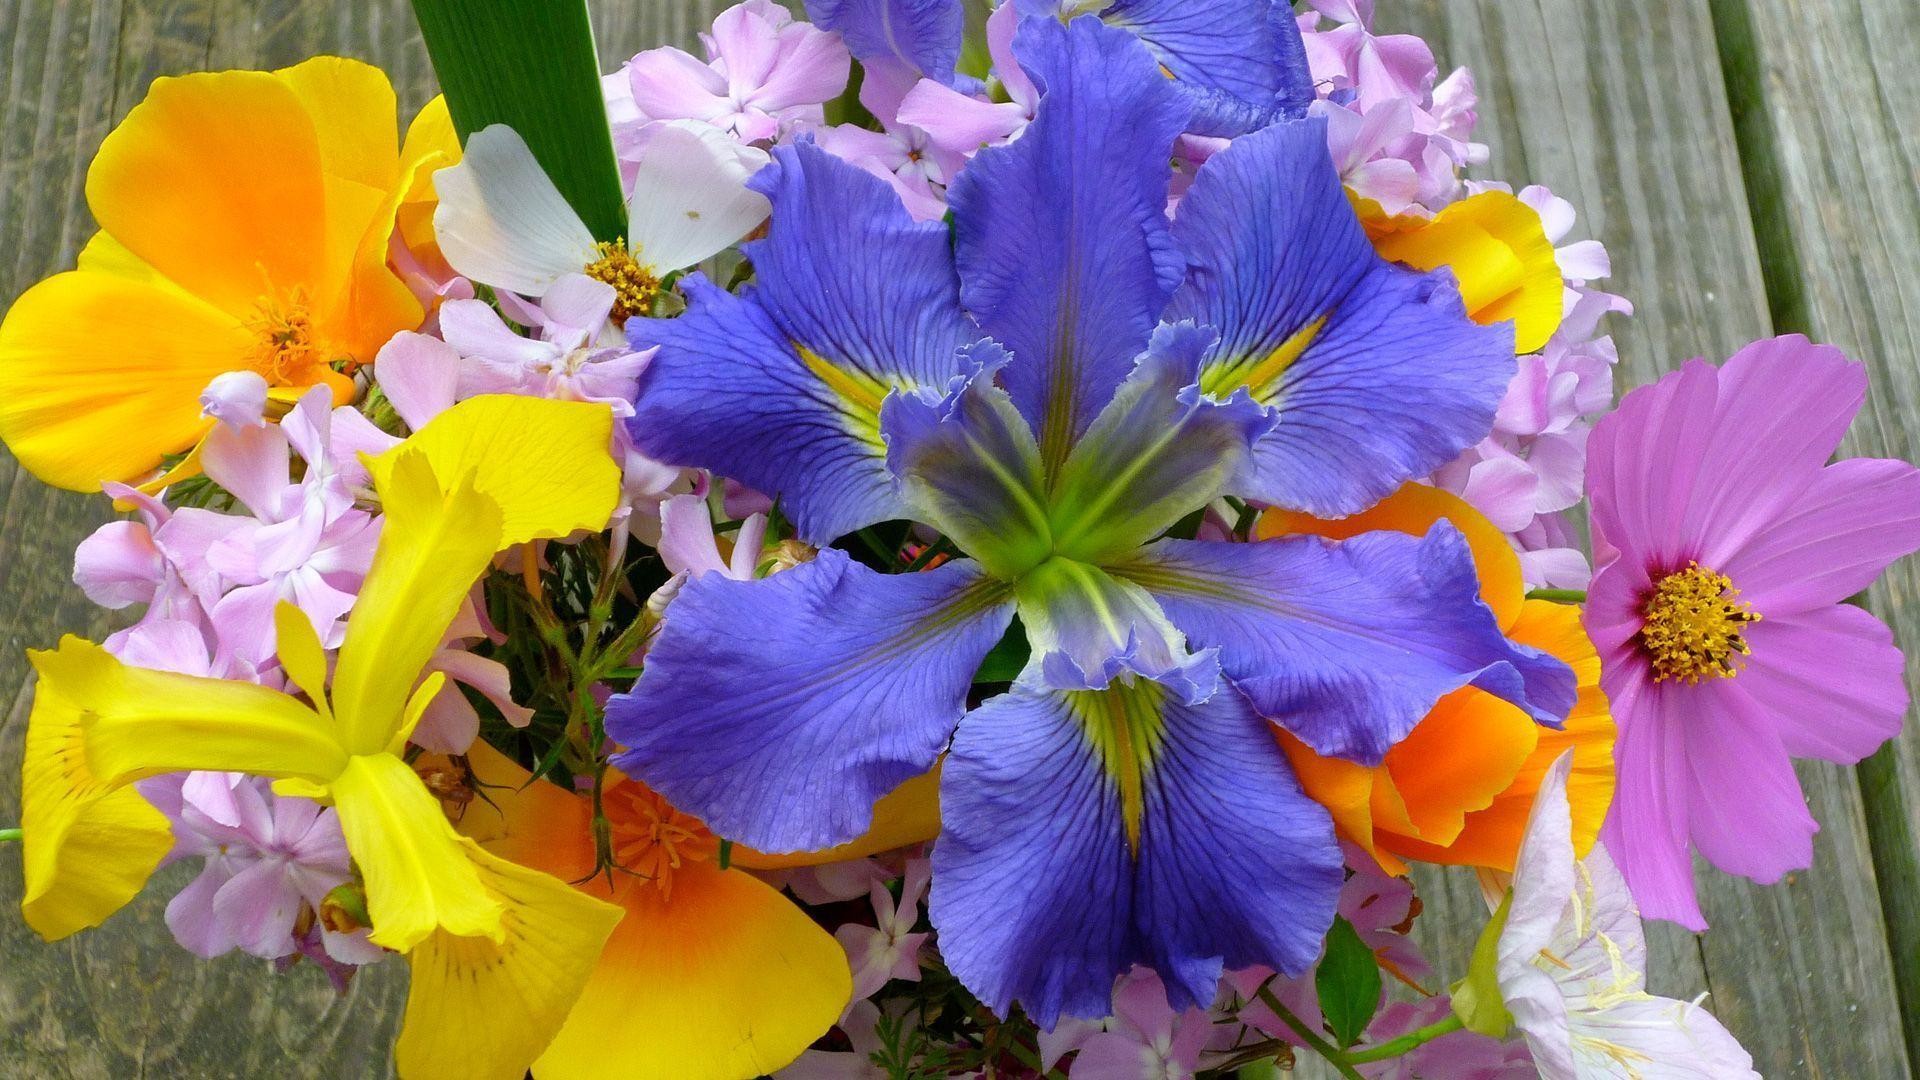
x: 531, y: 65
x: 1476, y: 998
x: 1349, y: 984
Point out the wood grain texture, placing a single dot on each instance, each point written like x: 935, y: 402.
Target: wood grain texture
x: 1622, y: 108
x: 1831, y: 90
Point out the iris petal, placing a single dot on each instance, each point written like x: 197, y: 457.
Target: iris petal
x: 1347, y: 646
x: 779, y: 711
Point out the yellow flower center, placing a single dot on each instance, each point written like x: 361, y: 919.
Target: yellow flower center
x: 651, y: 838
x: 1694, y: 625
x: 286, y: 348
x: 634, y: 286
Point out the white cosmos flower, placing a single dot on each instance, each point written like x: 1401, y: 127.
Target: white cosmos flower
x: 1571, y: 963
x: 503, y: 223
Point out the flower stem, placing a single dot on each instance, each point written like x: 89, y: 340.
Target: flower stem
x: 10, y: 836
x: 1559, y: 596
x: 1320, y: 1046
x: 1411, y: 1041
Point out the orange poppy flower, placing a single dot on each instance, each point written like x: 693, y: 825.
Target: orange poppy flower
x: 1458, y: 788
x: 244, y: 225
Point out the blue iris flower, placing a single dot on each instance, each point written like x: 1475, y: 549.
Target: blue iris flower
x: 1052, y: 390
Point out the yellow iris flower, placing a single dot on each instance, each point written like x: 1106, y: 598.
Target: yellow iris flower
x: 1458, y: 788
x: 499, y: 952
x: 244, y: 226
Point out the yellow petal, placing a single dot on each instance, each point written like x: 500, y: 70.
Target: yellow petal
x: 909, y: 814
x: 1413, y: 510
x: 724, y: 979
x: 546, y: 463
x: 1498, y: 250
x: 301, y: 654
x: 434, y: 545
x: 419, y: 879
x: 352, y: 107
x: 432, y: 144
x: 89, y: 840
x: 215, y: 181
x: 1345, y: 789
x: 480, y: 1009
x: 81, y: 402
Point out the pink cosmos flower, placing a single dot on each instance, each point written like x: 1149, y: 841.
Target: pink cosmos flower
x: 763, y: 74
x: 1147, y: 1039
x: 890, y: 949
x: 1727, y: 547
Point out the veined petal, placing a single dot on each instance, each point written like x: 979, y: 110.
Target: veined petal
x: 781, y: 387
x: 501, y: 221
x: 486, y: 1008
x: 545, y: 463
x: 78, y: 406
x: 968, y: 465
x: 1376, y: 371
x: 722, y: 978
x: 1239, y: 62
x: 1159, y: 450
x: 849, y: 684
x: 96, y: 726
x: 419, y: 881
x: 1089, y: 831
x: 1083, y: 621
x: 921, y: 35
x: 1061, y: 236
x: 1348, y: 645
x: 215, y: 181
x: 435, y: 543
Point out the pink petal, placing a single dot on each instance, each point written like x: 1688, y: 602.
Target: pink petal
x: 1643, y: 461
x: 671, y: 85
x: 190, y: 913
x: 238, y: 399
x: 418, y: 374
x: 687, y: 544
x: 119, y: 564
x: 258, y: 906
x: 1856, y: 517
x: 958, y: 123
x: 1646, y: 829
x: 1745, y: 810
x: 1831, y: 680
x: 252, y: 463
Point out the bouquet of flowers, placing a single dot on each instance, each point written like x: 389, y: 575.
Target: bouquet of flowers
x: 942, y: 539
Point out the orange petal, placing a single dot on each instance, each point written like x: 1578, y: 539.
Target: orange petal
x: 1345, y: 789
x: 1457, y: 760
x: 909, y: 814
x: 1413, y: 510
x: 531, y: 822
x: 352, y: 108
x: 215, y: 181
x: 725, y: 979
x: 100, y: 375
x: 431, y: 145
x: 1498, y: 249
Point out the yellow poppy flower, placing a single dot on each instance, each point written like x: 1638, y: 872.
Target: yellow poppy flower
x: 244, y: 223
x: 712, y: 974
x: 1458, y: 788
x: 1498, y: 250
x: 478, y: 929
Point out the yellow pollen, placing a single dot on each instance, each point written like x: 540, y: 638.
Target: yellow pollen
x: 1694, y: 626
x: 284, y: 347
x: 651, y: 838
x: 634, y: 286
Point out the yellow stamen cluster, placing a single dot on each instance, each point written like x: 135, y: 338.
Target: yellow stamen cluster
x: 651, y: 838
x: 285, y: 350
x: 1694, y: 626
x: 634, y: 286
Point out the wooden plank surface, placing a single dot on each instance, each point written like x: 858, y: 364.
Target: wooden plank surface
x: 1621, y: 107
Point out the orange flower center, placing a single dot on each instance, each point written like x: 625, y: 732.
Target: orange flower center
x: 634, y: 286
x: 651, y: 838
x: 1694, y: 626
x: 286, y: 349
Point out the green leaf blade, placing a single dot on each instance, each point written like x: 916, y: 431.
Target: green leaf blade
x: 531, y: 65
x: 1348, y: 982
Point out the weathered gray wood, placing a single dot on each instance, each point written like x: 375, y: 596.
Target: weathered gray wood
x: 1832, y: 91
x: 1621, y: 107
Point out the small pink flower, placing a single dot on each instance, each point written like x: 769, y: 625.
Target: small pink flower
x: 889, y: 949
x: 1727, y: 548
x: 1147, y: 1040
x: 764, y: 72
